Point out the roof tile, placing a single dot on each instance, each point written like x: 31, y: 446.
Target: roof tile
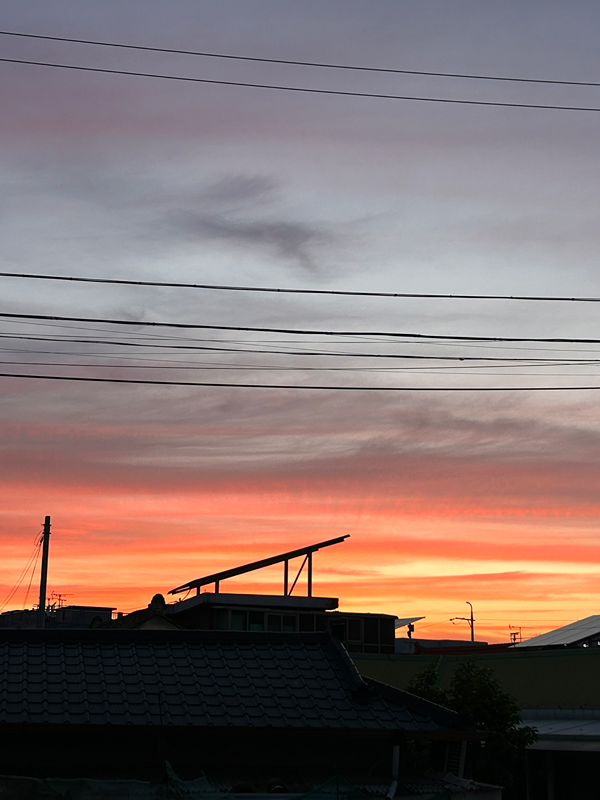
x: 187, y: 678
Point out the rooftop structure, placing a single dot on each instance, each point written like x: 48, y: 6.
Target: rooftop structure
x: 282, y: 558
x: 264, y: 613
x: 270, y: 614
x: 220, y: 611
x: 583, y: 633
x: 72, y: 616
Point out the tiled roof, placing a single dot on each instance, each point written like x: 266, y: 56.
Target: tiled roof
x: 199, y: 678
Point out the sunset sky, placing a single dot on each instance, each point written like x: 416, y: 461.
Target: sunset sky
x: 490, y: 497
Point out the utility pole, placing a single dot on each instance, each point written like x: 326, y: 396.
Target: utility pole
x: 41, y: 618
x: 471, y: 621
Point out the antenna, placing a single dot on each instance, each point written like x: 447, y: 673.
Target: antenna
x: 516, y: 632
x: 59, y: 598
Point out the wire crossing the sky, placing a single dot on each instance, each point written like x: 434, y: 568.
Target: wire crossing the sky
x: 319, y: 64
x: 24, y: 572
x: 302, y: 387
x: 300, y: 331
x: 530, y: 361
x: 300, y: 89
x: 277, y: 290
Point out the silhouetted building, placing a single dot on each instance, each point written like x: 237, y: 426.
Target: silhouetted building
x: 57, y: 617
x: 257, y: 613
x: 244, y: 708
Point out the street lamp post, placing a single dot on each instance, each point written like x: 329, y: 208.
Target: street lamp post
x: 470, y: 619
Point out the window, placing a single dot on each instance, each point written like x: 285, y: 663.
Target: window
x: 238, y: 621
x: 371, y: 631
x: 306, y: 623
x: 354, y: 630
x: 220, y: 619
x: 289, y: 623
x: 274, y: 623
x: 256, y: 621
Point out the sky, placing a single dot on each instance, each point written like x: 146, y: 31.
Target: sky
x: 448, y: 496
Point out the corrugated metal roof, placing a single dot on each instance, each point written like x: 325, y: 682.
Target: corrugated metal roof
x: 569, y: 634
x: 566, y: 728
x: 198, y: 678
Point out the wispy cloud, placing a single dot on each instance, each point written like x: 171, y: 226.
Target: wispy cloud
x: 294, y: 242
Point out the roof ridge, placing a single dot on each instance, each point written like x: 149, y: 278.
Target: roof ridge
x: 414, y: 703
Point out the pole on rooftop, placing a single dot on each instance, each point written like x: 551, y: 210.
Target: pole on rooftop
x: 41, y: 617
x: 471, y: 621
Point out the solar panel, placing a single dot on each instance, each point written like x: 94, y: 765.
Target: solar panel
x: 572, y: 633
x: 284, y: 558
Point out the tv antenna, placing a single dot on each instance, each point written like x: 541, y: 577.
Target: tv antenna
x: 57, y: 599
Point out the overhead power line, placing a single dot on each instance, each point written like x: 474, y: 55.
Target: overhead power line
x: 307, y: 387
x: 277, y: 290
x: 411, y: 370
x: 320, y: 64
x: 299, y: 89
x: 24, y: 572
x: 32, y: 574
x: 435, y: 370
x: 531, y: 361
x: 300, y: 331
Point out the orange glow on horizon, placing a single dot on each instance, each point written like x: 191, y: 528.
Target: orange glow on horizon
x: 118, y: 548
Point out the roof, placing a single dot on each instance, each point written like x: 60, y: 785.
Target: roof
x: 574, y: 733
x: 569, y: 634
x: 150, y: 618
x: 446, y: 647
x: 143, y: 619
x: 254, y: 600
x: 199, y: 678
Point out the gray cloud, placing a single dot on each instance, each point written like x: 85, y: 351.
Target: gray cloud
x: 236, y: 189
x: 139, y: 210
x: 293, y: 241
